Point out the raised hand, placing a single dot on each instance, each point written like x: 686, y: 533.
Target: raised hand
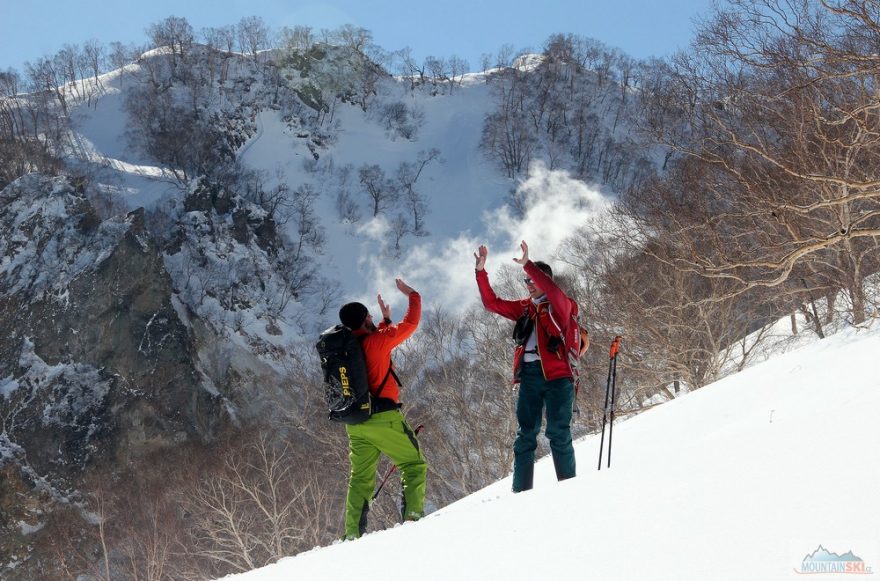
x: 386, y: 310
x: 403, y: 287
x: 525, y: 257
x: 481, y: 254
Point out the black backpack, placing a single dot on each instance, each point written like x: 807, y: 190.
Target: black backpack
x: 346, y: 388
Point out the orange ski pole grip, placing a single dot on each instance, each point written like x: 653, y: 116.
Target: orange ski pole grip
x: 615, y: 346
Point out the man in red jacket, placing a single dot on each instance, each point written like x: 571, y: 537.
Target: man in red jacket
x: 540, y: 365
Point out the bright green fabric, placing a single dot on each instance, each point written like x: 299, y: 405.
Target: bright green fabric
x: 384, y: 433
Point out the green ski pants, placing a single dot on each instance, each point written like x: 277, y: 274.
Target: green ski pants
x: 534, y: 393
x: 384, y: 433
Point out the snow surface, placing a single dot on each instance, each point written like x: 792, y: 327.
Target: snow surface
x: 742, y: 479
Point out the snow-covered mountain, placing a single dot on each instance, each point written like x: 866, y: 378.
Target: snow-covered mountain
x: 742, y: 479
x: 465, y: 195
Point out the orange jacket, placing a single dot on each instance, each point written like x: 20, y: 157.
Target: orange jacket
x: 377, y: 346
x: 554, y: 364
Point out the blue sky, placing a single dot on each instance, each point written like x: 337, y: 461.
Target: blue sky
x: 642, y: 28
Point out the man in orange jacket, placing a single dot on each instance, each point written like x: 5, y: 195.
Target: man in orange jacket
x: 386, y: 431
x: 540, y: 365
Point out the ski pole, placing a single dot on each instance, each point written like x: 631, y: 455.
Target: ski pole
x: 615, y: 347
x: 609, y: 390
x: 391, y: 470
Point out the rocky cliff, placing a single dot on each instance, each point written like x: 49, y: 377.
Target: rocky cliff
x: 96, y: 364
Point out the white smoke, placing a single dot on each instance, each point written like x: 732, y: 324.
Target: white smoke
x: 554, y: 206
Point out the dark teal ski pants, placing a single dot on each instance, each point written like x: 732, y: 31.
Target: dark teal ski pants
x: 535, y: 393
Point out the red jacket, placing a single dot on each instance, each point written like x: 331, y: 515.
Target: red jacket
x: 550, y: 322
x: 378, y: 345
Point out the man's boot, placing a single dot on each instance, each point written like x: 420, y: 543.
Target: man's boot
x: 563, y: 464
x: 523, y: 477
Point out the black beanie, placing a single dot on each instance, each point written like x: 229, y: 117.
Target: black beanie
x: 545, y: 268
x: 353, y: 315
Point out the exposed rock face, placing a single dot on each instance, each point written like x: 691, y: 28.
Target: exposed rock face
x: 114, y: 348
x: 96, y: 362
x: 96, y: 367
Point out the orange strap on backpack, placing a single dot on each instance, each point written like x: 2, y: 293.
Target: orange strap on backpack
x: 585, y: 341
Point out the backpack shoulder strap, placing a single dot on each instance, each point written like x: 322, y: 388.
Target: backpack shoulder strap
x: 553, y: 320
x: 391, y: 373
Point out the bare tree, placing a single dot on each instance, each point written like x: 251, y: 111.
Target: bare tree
x: 121, y: 55
x: 46, y: 76
x: 355, y: 38
x: 485, y: 61
x: 253, y: 35
x: 381, y: 190
x: 457, y: 68
x: 299, y: 38
x: 393, y: 116
x: 438, y: 67
x: 507, y: 136
x: 67, y: 63
x: 504, y: 56
x: 221, y: 40
x: 410, y: 68
x: 407, y: 176
x: 346, y: 208
x: 175, y: 33
x: 310, y: 233
x: 26, y: 128
x: 266, y: 503
x: 786, y: 119
x: 188, y: 140
x: 93, y: 58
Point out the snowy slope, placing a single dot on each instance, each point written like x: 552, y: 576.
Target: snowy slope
x: 99, y: 136
x: 742, y: 479
x: 466, y: 197
x: 465, y: 193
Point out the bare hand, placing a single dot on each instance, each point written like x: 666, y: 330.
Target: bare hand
x: 525, y: 257
x: 386, y: 310
x: 403, y: 287
x: 481, y: 254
